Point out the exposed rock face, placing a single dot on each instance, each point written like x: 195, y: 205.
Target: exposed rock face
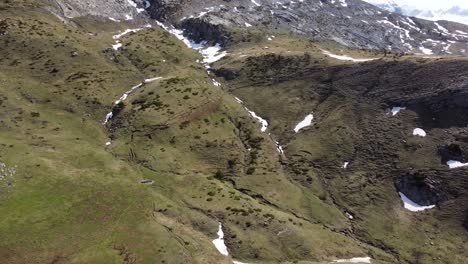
x: 116, y: 9
x: 420, y: 187
x: 452, y: 151
x: 466, y: 222
x: 352, y: 23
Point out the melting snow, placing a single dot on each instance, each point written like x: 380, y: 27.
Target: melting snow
x: 346, y: 58
x: 453, y: 164
x: 238, y: 100
x: 255, y: 3
x: 279, y: 147
x: 219, y: 242
x: 215, y: 83
x: 262, y: 121
x: 441, y: 28
x: 210, y: 54
x: 128, y: 31
x: 419, y: 132
x: 152, y: 79
x: 396, y: 110
x: 304, y: 123
x: 117, y: 46
x: 426, y: 51
x: 412, y: 206
x: 110, y: 115
x: 354, y: 260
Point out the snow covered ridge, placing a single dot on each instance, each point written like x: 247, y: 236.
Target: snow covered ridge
x: 345, y: 57
x: 412, y: 206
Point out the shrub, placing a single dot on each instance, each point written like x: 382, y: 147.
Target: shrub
x: 219, y: 175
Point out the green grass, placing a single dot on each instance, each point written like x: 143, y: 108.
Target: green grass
x: 75, y: 200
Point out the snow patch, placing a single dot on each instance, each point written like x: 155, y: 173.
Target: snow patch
x: 279, y: 147
x: 419, y: 132
x: 412, y: 206
x: 219, y: 242
x: 304, y: 123
x: 117, y: 46
x: 453, y: 164
x: 255, y: 3
x: 261, y: 120
x: 354, y: 260
x: 210, y: 54
x: 396, y: 110
x: 345, y: 58
x: 426, y: 50
x: 124, y: 97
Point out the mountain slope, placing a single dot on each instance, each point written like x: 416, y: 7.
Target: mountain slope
x: 125, y: 142
x: 388, y: 5
x: 454, y: 14
x: 351, y: 23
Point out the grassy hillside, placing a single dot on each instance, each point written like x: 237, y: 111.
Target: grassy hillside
x: 75, y: 200
x: 284, y: 80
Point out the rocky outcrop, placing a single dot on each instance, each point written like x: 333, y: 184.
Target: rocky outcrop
x: 451, y: 151
x: 200, y: 30
x: 352, y: 23
x: 465, y: 223
x: 421, y: 187
x: 120, y: 10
